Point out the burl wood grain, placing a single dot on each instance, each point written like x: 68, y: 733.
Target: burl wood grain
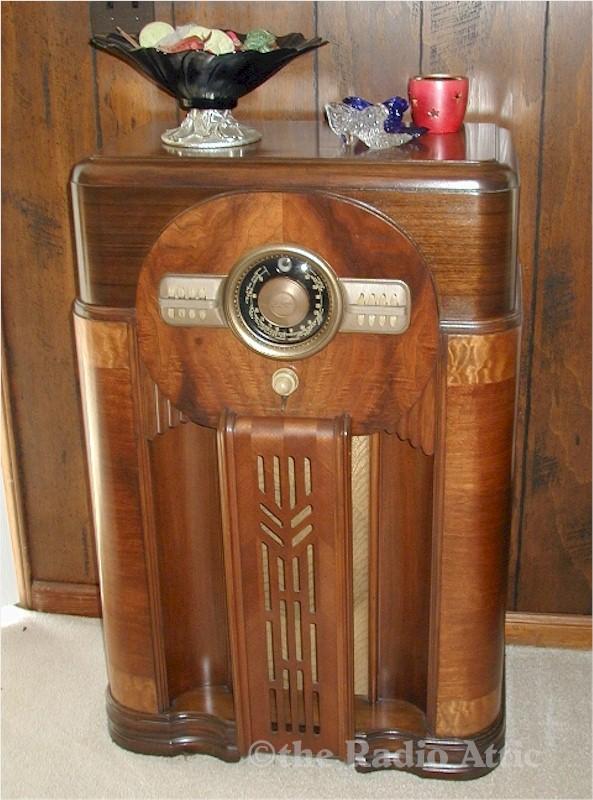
x: 287, y: 529
x: 472, y: 516
x: 204, y: 370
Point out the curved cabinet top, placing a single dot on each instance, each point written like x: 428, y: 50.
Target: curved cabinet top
x: 478, y: 159
x: 454, y: 195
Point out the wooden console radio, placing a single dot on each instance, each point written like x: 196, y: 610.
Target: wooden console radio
x: 298, y: 370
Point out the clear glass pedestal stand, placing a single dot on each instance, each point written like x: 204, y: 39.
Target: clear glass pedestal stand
x: 210, y: 129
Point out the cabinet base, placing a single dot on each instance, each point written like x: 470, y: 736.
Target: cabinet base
x: 431, y: 757
x: 172, y: 732
x: 175, y: 732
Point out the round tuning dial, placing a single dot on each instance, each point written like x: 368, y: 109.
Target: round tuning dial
x: 283, y: 301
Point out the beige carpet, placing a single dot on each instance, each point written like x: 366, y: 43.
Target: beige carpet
x: 55, y: 742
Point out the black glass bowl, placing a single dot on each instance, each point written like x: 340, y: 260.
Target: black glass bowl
x: 205, y: 81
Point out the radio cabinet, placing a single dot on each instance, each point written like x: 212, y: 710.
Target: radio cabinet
x: 298, y: 370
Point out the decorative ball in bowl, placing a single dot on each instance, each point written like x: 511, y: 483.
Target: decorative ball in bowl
x: 207, y: 71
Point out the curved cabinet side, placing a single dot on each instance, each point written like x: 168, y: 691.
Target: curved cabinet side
x: 120, y: 487
x: 473, y: 505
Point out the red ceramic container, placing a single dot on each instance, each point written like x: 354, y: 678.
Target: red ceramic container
x: 438, y: 102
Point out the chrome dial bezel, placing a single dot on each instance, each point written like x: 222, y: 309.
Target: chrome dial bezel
x: 287, y: 352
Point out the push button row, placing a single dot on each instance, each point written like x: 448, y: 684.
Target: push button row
x: 186, y: 300
x: 375, y: 306
x: 369, y: 306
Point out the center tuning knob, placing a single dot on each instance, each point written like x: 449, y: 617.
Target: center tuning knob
x: 283, y: 301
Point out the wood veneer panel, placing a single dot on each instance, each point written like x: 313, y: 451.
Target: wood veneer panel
x: 291, y: 93
x: 403, y: 570
x: 466, y: 240
x: 189, y: 534
x: 120, y: 227
x: 465, y: 237
x: 555, y: 554
x: 192, y: 368
x: 120, y: 484
x: 473, y: 505
x: 500, y: 46
x: 374, y: 48
x: 47, y: 125
x: 385, y: 715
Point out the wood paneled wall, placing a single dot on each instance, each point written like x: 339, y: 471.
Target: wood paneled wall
x: 530, y: 70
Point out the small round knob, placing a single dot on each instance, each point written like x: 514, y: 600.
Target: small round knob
x: 285, y: 382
